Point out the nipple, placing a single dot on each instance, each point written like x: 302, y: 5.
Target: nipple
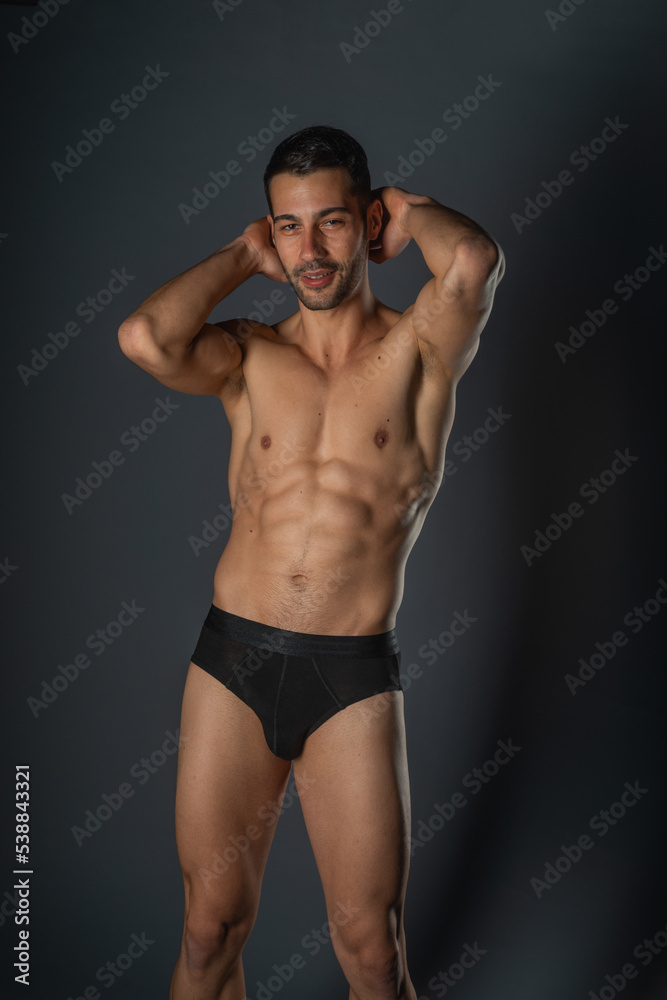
x: 266, y: 441
x: 381, y: 437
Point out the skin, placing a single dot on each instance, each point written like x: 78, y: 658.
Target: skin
x: 340, y: 415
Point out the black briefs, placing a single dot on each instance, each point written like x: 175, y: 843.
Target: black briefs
x: 294, y: 681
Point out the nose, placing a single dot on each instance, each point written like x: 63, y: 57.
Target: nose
x: 311, y: 246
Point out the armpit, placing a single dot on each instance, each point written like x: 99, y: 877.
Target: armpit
x: 430, y: 363
x: 235, y: 383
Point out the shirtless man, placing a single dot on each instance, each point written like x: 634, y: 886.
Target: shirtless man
x: 339, y: 416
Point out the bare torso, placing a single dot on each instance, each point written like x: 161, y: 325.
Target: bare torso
x: 331, y: 472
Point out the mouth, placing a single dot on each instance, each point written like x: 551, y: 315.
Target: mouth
x: 316, y: 279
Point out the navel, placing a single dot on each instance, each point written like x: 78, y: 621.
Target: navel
x: 266, y: 441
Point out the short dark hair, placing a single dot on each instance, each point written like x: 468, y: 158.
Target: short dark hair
x: 315, y: 148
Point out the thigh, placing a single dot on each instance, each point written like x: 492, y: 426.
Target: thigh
x: 356, y: 805
x: 227, y: 798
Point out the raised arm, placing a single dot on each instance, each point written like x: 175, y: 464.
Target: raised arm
x: 452, y: 308
x: 167, y: 335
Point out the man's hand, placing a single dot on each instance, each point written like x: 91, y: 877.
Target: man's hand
x: 393, y: 237
x: 257, y: 237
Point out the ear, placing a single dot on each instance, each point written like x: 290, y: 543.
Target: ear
x: 269, y: 219
x: 374, y: 215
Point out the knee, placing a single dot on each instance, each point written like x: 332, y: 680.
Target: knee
x: 212, y: 940
x: 370, y: 954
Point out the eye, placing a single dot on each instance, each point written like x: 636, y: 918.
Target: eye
x: 288, y: 227
x: 333, y: 222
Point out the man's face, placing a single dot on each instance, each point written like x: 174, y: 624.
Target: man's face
x: 320, y: 235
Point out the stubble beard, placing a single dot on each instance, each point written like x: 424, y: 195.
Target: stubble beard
x: 351, y: 274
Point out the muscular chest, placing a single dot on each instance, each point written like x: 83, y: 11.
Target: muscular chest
x: 364, y: 409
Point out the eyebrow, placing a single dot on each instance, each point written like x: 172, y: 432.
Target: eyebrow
x: 318, y: 215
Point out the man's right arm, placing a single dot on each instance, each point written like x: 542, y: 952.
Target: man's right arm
x: 168, y: 335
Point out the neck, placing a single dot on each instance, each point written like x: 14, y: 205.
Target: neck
x: 330, y: 336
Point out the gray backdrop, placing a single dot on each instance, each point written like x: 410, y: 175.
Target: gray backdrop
x: 546, y: 865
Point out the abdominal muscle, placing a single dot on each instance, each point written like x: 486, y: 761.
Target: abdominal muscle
x: 321, y: 549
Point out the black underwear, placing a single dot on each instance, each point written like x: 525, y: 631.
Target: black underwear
x: 295, y: 681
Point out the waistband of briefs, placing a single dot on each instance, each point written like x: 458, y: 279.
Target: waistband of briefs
x: 300, y: 643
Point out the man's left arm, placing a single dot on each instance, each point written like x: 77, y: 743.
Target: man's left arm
x: 453, y: 307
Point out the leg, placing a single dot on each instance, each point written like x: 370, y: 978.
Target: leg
x: 227, y: 786
x: 358, y: 821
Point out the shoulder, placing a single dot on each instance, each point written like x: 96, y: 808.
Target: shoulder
x: 250, y: 333
x: 245, y: 331
x: 256, y: 341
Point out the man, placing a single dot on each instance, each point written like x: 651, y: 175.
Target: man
x: 340, y: 415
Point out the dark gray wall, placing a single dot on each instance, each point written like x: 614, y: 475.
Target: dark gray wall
x: 555, y: 80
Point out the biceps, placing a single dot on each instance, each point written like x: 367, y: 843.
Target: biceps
x: 203, y: 365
